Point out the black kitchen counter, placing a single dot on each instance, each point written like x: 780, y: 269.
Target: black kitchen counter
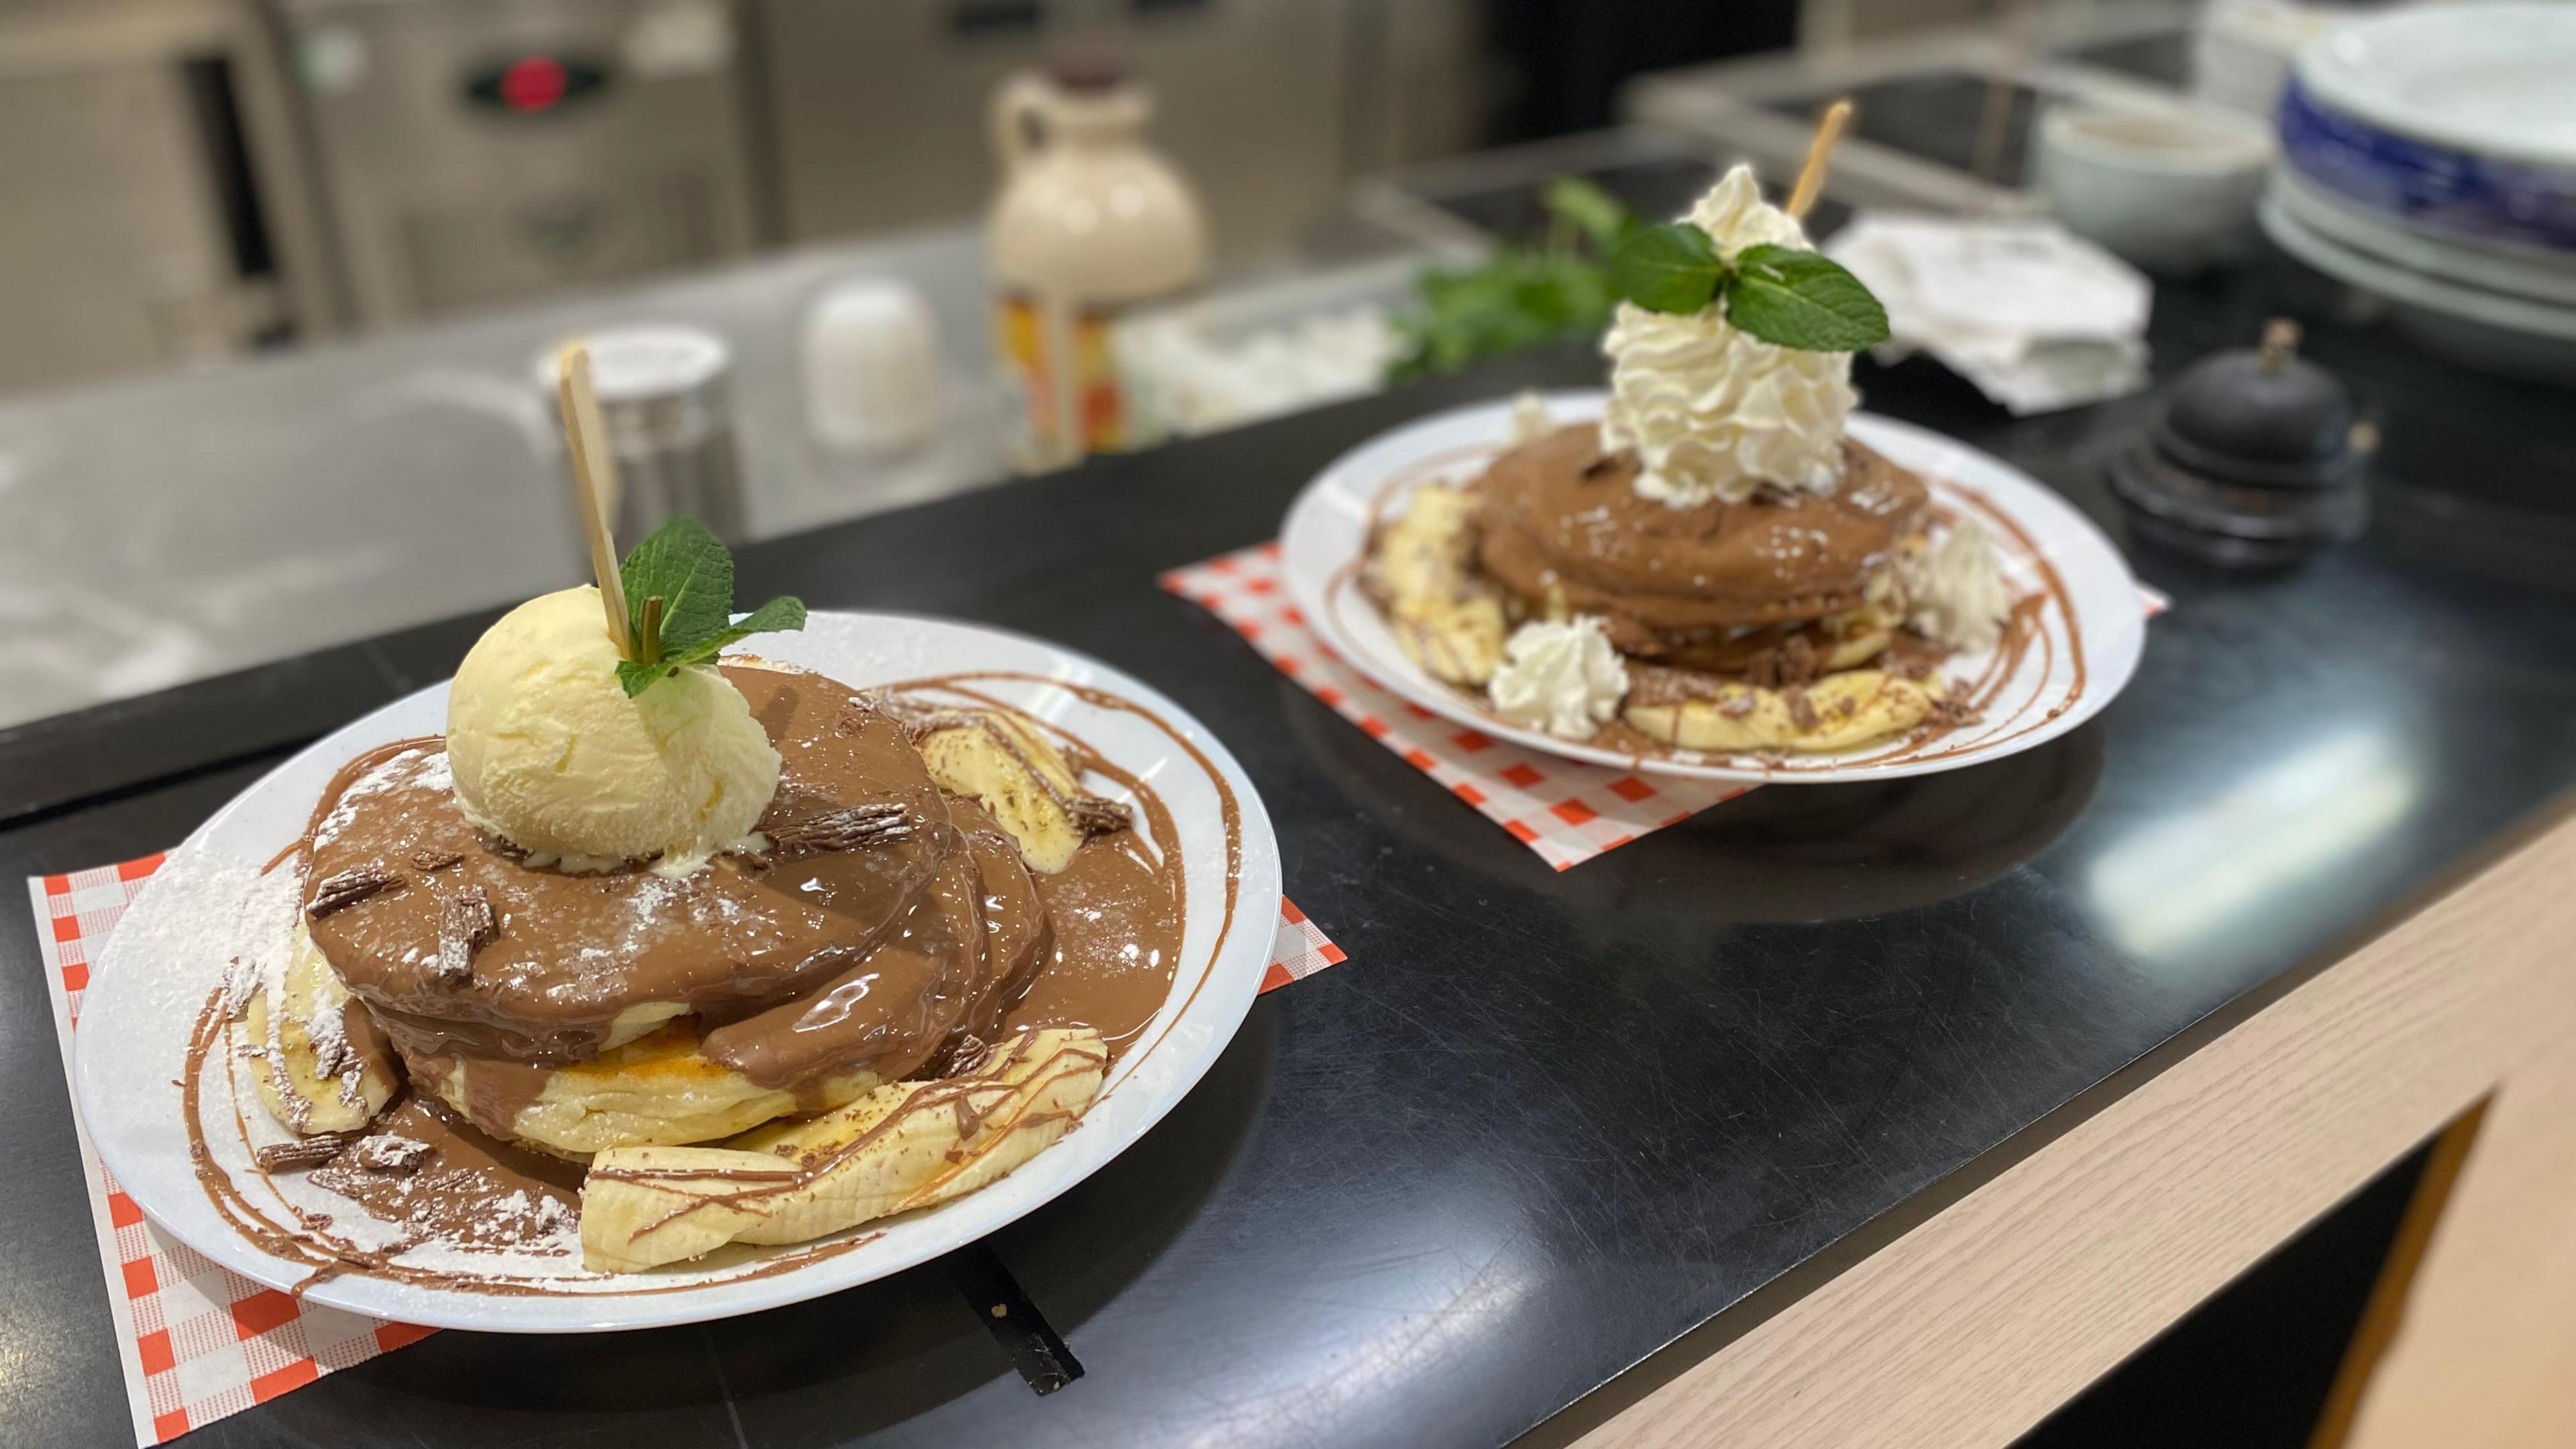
x: 1539, y: 1126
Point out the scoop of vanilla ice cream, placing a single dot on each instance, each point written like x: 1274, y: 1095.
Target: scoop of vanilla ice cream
x: 549, y: 752
x: 1711, y: 411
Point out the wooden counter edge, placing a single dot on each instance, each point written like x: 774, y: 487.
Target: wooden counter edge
x: 1980, y: 1320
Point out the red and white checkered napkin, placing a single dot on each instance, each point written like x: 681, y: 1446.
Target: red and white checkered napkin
x: 200, y: 1341
x: 1566, y: 810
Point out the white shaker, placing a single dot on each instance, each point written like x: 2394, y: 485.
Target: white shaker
x: 871, y: 367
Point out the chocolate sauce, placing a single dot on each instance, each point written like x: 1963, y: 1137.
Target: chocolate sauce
x: 1553, y: 526
x: 466, y: 1189
x: 1097, y: 908
x: 1111, y: 966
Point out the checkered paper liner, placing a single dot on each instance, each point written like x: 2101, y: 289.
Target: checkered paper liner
x: 199, y: 1341
x: 1567, y: 810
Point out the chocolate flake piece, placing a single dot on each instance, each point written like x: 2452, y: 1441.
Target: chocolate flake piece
x: 302, y: 1152
x: 1801, y: 708
x: 1093, y: 815
x: 391, y: 1156
x: 339, y: 892
x: 436, y: 859
x: 465, y: 925
x: 837, y: 830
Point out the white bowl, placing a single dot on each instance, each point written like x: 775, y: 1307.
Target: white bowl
x: 2171, y: 188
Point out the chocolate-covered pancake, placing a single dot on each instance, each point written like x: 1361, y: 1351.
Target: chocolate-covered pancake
x: 1560, y: 519
x: 884, y: 957
x: 884, y: 936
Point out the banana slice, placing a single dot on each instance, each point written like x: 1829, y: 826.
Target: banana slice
x: 1836, y: 712
x: 1421, y: 571
x: 1014, y: 771
x: 323, y: 1066
x: 903, y: 1146
x: 658, y: 1088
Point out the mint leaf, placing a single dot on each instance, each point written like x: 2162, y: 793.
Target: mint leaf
x: 1668, y: 268
x: 637, y: 677
x: 776, y: 616
x: 690, y: 569
x: 1794, y: 298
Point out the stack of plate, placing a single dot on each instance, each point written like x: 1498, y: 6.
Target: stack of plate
x: 2429, y: 156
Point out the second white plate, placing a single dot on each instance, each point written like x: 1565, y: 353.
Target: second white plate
x: 2091, y: 627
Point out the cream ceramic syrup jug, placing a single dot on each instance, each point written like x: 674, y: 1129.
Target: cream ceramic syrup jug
x: 1089, y: 221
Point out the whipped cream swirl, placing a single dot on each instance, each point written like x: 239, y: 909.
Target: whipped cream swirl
x: 1954, y: 590
x: 1715, y: 413
x: 1564, y: 678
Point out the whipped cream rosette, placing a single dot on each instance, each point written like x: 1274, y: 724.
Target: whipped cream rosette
x: 1713, y: 411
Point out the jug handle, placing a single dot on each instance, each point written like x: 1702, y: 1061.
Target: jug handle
x: 1019, y: 110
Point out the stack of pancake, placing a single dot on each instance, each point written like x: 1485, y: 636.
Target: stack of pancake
x: 860, y: 973
x: 1774, y: 623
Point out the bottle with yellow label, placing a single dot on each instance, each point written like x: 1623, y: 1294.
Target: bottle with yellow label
x: 1089, y: 222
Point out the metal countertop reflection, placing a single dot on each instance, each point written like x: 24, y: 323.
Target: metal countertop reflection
x: 188, y: 523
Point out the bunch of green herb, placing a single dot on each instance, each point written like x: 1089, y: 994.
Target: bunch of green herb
x: 679, y: 604
x: 1523, y: 296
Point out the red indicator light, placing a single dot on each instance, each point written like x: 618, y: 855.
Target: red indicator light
x: 533, y: 83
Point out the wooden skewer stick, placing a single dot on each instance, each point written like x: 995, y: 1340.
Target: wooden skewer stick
x: 1820, y: 155
x: 2017, y: 30
x: 594, y: 481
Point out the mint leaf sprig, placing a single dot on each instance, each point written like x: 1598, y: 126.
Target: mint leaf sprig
x: 679, y: 592
x: 1782, y: 295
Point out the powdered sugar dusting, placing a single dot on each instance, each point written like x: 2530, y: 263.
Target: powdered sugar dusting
x: 415, y: 766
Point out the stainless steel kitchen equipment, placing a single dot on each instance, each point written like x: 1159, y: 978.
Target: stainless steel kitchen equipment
x: 1923, y: 97
x: 476, y: 151
x: 152, y: 206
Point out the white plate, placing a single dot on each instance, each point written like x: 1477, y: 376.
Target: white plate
x: 169, y: 953
x: 2529, y: 316
x: 2084, y: 661
x: 2499, y: 267
x: 2492, y: 79
x: 2523, y: 336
